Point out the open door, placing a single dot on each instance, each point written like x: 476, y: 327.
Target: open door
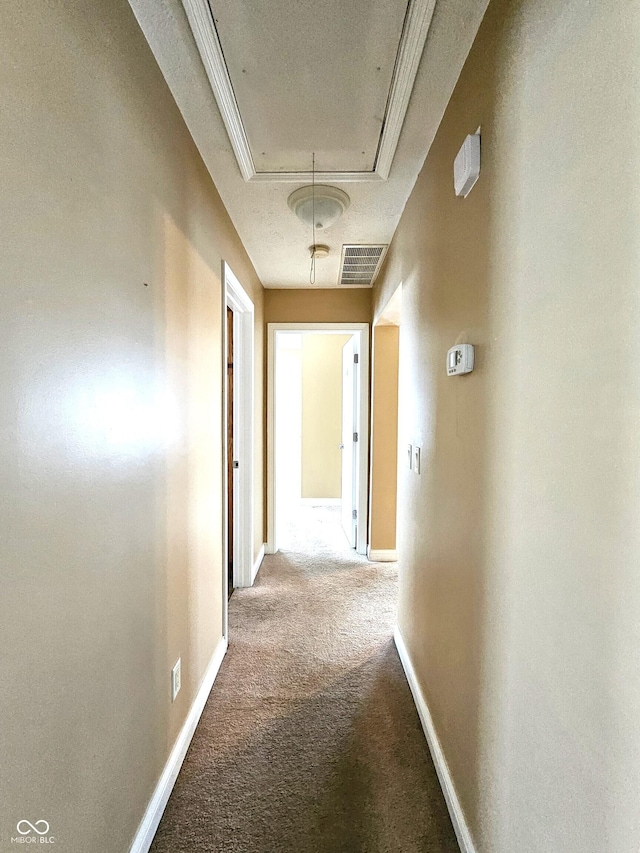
x: 350, y: 437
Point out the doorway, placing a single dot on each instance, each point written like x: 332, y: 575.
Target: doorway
x: 238, y: 445
x: 315, y: 457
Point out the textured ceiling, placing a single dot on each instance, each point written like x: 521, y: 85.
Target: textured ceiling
x: 290, y: 105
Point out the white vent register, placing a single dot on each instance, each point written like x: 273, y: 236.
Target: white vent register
x: 466, y: 166
x: 360, y: 264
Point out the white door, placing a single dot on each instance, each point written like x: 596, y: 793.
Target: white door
x: 349, y: 439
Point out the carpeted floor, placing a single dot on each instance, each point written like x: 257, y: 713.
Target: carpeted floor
x: 310, y: 742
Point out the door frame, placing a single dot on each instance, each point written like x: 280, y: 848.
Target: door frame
x: 349, y: 425
x: 361, y: 330
x: 236, y: 298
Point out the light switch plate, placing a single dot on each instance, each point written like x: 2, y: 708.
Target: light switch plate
x: 416, y: 459
x: 410, y: 455
x: 176, y: 678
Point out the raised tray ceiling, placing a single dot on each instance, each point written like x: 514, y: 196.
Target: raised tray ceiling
x: 325, y: 77
x: 343, y: 75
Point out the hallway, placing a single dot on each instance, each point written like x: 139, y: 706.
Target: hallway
x: 448, y: 186
x: 310, y: 740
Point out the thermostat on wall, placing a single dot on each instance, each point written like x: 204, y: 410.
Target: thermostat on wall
x: 466, y: 167
x: 460, y: 359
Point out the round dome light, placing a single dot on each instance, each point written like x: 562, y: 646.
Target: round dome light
x: 328, y: 203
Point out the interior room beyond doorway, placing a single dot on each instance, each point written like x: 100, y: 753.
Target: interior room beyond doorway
x: 309, y: 430
x: 315, y: 452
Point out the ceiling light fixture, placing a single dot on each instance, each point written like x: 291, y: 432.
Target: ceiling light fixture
x: 319, y: 250
x: 319, y: 205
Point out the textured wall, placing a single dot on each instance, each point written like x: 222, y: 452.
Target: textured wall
x: 110, y: 553
x: 520, y: 574
x: 317, y: 306
x: 384, y: 438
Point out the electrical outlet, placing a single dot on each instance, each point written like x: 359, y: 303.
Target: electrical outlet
x: 416, y: 459
x: 176, y: 679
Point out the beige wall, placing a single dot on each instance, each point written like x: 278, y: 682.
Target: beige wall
x: 322, y: 415
x: 111, y: 244
x: 308, y: 305
x: 520, y: 570
x: 384, y: 438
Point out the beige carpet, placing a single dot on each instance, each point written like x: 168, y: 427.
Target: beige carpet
x: 310, y: 742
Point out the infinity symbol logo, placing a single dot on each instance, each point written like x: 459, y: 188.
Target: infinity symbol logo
x: 32, y: 827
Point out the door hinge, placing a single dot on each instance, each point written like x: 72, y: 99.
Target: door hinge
x: 356, y: 358
x: 355, y: 514
x: 355, y: 436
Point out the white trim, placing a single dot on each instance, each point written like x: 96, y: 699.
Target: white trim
x: 157, y: 804
x: 271, y: 545
x: 410, y: 48
x: 204, y: 32
x: 362, y: 331
x: 320, y: 502
x: 325, y: 177
x: 412, y: 42
x: 381, y: 556
x: 257, y: 563
x: 458, y: 819
x: 243, y: 330
x: 224, y: 503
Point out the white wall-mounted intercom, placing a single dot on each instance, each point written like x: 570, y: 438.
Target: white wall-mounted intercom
x: 460, y: 359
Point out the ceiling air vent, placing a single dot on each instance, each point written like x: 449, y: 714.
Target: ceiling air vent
x: 360, y: 264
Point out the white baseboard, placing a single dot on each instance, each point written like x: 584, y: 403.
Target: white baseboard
x: 149, y: 824
x: 380, y: 556
x: 320, y: 502
x: 446, y: 782
x: 258, y: 562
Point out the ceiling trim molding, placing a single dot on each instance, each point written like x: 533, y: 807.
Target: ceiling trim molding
x: 204, y: 32
x: 412, y: 40
x: 323, y: 177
